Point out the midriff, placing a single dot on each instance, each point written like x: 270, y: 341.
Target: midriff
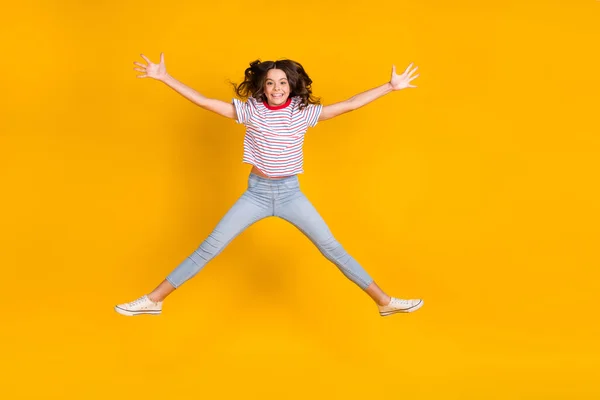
x: 258, y: 172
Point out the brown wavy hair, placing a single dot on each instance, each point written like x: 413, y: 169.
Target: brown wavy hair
x: 256, y: 75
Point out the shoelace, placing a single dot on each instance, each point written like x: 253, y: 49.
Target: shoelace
x: 401, y: 302
x: 138, y: 301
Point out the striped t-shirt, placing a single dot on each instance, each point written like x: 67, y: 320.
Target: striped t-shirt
x: 275, y: 134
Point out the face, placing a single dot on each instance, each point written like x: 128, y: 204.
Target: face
x: 277, y: 88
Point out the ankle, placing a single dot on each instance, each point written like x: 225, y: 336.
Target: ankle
x: 385, y: 301
x: 153, y: 298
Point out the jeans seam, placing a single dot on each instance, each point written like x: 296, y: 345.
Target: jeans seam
x: 349, y: 271
x: 216, y: 254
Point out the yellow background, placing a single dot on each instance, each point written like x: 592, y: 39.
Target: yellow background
x: 477, y: 191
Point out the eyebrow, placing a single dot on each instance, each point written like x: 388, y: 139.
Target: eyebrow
x: 281, y: 79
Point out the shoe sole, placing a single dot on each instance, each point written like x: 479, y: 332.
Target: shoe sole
x: 128, y: 313
x: 406, y: 310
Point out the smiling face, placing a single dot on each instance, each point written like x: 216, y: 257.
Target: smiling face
x: 277, y: 88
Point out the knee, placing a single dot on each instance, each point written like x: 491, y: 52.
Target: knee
x: 215, y: 240
x: 331, y: 248
x: 212, y: 245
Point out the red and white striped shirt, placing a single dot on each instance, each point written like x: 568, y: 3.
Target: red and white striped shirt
x: 275, y: 134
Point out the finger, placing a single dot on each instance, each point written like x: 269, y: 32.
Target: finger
x: 414, y: 77
x: 140, y: 64
x: 162, y: 58
x: 142, y: 76
x: 393, y: 69
x: 413, y: 71
x: 411, y: 86
x: 408, y: 68
x: 146, y: 59
x: 140, y: 69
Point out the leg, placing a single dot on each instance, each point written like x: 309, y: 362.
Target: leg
x: 378, y: 295
x: 299, y: 211
x: 251, y: 207
x: 245, y: 212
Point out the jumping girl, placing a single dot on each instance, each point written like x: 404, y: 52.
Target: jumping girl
x: 278, y: 109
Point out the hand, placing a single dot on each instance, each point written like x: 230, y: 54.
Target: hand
x: 403, y: 81
x: 156, y: 71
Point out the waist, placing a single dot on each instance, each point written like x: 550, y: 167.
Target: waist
x: 258, y: 172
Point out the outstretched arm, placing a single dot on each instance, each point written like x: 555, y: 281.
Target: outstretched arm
x: 397, y: 82
x: 159, y: 72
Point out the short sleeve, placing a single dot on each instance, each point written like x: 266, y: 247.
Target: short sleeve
x: 312, y: 113
x: 242, y: 110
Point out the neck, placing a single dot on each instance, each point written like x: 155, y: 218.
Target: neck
x: 280, y: 106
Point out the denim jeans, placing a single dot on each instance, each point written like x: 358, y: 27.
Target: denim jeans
x: 267, y: 198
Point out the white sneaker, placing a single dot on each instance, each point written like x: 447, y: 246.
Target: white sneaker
x: 400, y: 306
x: 143, y: 305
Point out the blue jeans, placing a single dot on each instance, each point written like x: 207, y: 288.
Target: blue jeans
x: 267, y: 198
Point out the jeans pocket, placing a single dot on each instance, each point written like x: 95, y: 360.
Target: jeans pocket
x: 252, y: 181
x: 292, y: 184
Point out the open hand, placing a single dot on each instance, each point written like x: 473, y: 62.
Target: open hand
x: 156, y: 71
x: 403, y: 81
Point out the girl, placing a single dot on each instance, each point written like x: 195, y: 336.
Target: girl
x: 278, y: 110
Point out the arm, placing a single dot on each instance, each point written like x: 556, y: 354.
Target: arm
x: 214, y: 105
x: 397, y: 82
x: 159, y: 72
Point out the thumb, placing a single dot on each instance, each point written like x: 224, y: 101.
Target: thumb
x: 393, y: 69
x: 162, y: 58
